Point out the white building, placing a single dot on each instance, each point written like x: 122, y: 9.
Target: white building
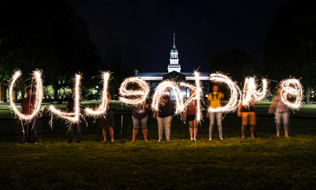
x: 174, y: 73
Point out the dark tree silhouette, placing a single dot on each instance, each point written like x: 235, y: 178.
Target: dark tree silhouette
x: 238, y: 64
x: 47, y: 35
x: 290, y: 44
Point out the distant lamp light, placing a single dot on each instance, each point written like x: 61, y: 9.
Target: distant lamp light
x: 97, y: 87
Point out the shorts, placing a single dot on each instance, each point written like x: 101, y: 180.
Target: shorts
x: 250, y: 115
x: 137, y: 122
x: 190, y: 117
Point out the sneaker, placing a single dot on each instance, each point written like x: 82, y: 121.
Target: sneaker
x: 194, y: 138
x: 26, y: 142
x: 78, y: 141
x: 191, y: 138
x: 210, y: 138
x: 168, y: 140
x: 159, y: 140
x: 221, y: 138
x: 70, y: 141
x: 35, y: 143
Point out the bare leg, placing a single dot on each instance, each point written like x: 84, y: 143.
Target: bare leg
x: 135, y: 131
x: 195, y: 128
x: 278, y: 133
x: 243, y: 131
x: 111, y: 131
x: 286, y: 133
x: 104, y: 134
x: 252, y: 130
x: 191, y: 128
x: 145, y: 134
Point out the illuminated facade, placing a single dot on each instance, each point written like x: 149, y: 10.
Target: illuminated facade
x: 174, y: 73
x: 174, y: 58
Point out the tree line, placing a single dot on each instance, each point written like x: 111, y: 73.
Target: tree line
x: 50, y: 35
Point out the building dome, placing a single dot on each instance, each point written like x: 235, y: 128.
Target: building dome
x: 174, y: 51
x: 174, y: 59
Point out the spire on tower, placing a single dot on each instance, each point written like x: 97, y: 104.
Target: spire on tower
x: 174, y: 40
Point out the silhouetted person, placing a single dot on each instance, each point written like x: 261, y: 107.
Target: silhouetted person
x: 27, y: 109
x: 70, y: 109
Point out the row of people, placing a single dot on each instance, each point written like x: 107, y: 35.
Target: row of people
x: 164, y: 117
x: 246, y: 112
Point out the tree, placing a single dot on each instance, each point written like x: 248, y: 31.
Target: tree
x: 118, y: 74
x: 47, y: 35
x: 238, y: 64
x: 290, y: 44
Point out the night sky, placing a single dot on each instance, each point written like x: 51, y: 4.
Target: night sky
x: 138, y: 33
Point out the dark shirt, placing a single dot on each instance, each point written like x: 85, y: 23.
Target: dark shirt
x: 28, y: 105
x: 70, y: 105
x: 139, y: 111
x: 165, y: 108
x: 248, y: 108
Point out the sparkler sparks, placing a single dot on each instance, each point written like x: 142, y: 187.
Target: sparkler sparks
x: 251, y: 92
x: 160, y: 89
x: 234, y: 92
x: 139, y: 95
x: 195, y: 96
x: 291, y: 88
x: 38, y: 95
x: 75, y: 116
x: 103, y: 106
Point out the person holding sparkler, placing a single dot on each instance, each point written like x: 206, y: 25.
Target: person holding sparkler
x: 281, y: 112
x: 190, y: 115
x: 140, y: 117
x: 246, y: 110
x: 107, y: 121
x: 214, y: 101
x: 70, y: 109
x: 164, y: 115
x: 27, y: 109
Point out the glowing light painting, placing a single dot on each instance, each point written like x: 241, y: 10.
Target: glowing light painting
x: 103, y: 106
x: 291, y: 88
x: 251, y: 92
x: 195, y: 96
x: 159, y: 91
x: 234, y: 93
x: 37, y: 75
x: 139, y: 96
x: 75, y: 116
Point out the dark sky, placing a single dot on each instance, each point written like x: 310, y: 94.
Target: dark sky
x: 139, y: 32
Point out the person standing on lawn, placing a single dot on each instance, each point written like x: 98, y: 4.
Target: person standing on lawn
x: 27, y: 109
x: 190, y: 116
x: 248, y: 115
x: 281, y: 113
x: 70, y: 109
x: 164, y: 115
x: 214, y: 101
x: 107, y: 121
x: 140, y: 117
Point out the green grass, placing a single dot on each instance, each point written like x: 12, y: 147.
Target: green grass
x: 265, y: 162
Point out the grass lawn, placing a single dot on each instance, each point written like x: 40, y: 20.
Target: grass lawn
x: 265, y: 162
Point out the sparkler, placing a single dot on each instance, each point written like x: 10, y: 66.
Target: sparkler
x: 292, y: 88
x: 195, y: 96
x: 75, y: 116
x: 251, y: 92
x: 139, y: 95
x: 38, y: 95
x: 103, y: 106
x: 234, y: 92
x: 158, y: 92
